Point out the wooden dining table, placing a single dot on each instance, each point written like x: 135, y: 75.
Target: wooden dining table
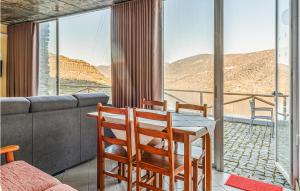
x: 187, y: 127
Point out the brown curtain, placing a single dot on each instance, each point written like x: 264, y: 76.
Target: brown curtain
x: 22, y: 73
x: 136, y: 52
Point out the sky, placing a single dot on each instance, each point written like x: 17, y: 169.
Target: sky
x: 249, y: 25
x: 86, y: 37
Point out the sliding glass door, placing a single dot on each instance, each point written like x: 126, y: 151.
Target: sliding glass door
x: 283, y: 89
x: 188, y: 53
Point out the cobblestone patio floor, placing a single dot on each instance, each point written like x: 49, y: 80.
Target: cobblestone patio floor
x: 251, y: 154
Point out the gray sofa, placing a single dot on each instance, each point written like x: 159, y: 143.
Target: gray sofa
x: 53, y: 131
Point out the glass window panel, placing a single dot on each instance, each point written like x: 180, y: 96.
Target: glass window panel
x: 85, y: 58
x: 47, y: 58
x: 283, y: 80
x: 188, y: 53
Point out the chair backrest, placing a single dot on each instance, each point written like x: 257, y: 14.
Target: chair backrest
x: 150, y: 103
x: 192, y: 107
x: 102, y: 123
x: 167, y: 135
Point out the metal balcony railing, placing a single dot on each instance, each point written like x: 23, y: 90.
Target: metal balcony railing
x: 202, y: 94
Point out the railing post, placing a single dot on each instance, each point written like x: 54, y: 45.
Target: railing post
x: 284, y: 108
x: 201, y: 98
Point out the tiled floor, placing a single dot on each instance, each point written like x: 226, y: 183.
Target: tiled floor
x: 252, y: 154
x: 83, y: 178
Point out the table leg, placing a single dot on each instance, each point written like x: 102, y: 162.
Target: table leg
x: 208, y: 166
x: 187, y: 164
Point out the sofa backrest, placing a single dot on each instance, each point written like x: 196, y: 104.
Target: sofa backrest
x: 50, y: 103
x: 14, y: 105
x: 91, y: 99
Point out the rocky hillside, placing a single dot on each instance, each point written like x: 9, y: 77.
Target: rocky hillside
x: 105, y: 70
x: 243, y: 73
x: 73, y: 69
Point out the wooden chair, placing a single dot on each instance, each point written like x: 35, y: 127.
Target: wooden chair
x: 116, y: 150
x: 161, y: 161
x: 202, y: 109
x: 150, y: 104
x: 254, y: 115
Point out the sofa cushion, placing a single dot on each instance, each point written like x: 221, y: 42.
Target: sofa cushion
x: 61, y: 187
x: 91, y: 99
x: 14, y: 105
x: 20, y: 176
x: 49, y: 103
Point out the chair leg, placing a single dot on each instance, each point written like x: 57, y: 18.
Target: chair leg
x: 119, y: 171
x: 171, y: 183
x: 175, y: 151
x: 203, y: 165
x: 195, y: 174
x: 164, y: 143
x: 155, y: 179
x: 101, y: 174
x: 161, y: 181
x: 148, y: 173
x: 176, y: 147
x: 123, y: 169
x: 98, y: 172
x: 138, y: 178
x: 129, y: 177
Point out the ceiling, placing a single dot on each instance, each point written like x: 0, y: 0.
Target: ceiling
x: 17, y: 11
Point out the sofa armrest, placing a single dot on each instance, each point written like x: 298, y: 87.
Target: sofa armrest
x: 8, y: 151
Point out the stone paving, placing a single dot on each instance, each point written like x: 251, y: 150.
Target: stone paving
x: 251, y: 154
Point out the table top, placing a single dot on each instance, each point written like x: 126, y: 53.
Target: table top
x: 183, y: 122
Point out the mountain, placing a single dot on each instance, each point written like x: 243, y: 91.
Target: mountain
x: 243, y: 73
x: 105, y: 70
x: 79, y: 70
